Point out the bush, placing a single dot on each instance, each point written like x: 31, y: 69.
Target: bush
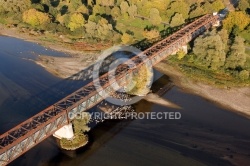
x: 244, y: 75
x: 35, y: 18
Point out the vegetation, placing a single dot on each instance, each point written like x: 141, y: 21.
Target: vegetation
x: 140, y: 83
x: 80, y: 139
x: 94, y: 21
x: 220, y: 53
x: 219, y: 57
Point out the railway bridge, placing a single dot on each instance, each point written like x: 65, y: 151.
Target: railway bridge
x: 31, y: 132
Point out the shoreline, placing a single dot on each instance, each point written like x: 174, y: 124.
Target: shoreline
x: 235, y: 99
x: 62, y: 67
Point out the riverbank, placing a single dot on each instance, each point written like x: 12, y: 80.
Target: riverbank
x: 233, y: 98
x: 62, y: 67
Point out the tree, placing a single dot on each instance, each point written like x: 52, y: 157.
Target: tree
x: 126, y: 38
x: 83, y: 9
x: 76, y: 21
x: 237, y: 56
x: 155, y: 17
x: 15, y: 5
x: 243, y: 5
x: 151, y: 34
x: 198, y: 11
x: 224, y: 37
x: 244, y: 75
x: 132, y: 11
x: 35, y: 18
x: 115, y: 12
x: 179, y: 6
x: 210, y: 51
x: 104, y: 29
x: 105, y: 2
x: 217, y: 5
x: 98, y: 9
x: 74, y: 4
x: 237, y: 18
x: 124, y: 7
x: 177, y: 20
x: 91, y: 28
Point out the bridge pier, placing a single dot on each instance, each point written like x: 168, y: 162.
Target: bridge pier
x: 217, y: 23
x: 65, y: 132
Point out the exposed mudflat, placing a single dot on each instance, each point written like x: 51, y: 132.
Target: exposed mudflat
x: 235, y: 98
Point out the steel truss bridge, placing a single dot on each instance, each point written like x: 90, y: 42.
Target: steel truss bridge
x: 34, y: 130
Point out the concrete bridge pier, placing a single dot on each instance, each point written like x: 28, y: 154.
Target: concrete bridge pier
x: 65, y: 132
x: 217, y: 23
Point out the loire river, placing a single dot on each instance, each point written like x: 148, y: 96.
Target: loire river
x: 205, y: 135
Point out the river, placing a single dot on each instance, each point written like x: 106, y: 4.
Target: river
x: 205, y: 135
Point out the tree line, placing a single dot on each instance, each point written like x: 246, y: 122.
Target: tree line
x: 97, y: 20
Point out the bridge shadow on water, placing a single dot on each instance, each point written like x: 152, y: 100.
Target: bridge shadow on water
x: 99, y: 135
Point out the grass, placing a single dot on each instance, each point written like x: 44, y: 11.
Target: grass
x: 246, y: 35
x: 2, y: 20
x: 135, y: 25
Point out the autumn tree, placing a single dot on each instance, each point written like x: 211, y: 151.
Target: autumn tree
x: 224, y: 37
x: 74, y: 4
x: 243, y: 5
x: 198, y: 11
x: 91, y: 28
x: 105, y: 2
x: 98, y: 9
x: 237, y: 56
x: 15, y: 5
x: 124, y: 7
x: 151, y: 34
x: 244, y: 75
x: 177, y: 20
x: 126, y: 38
x: 217, y: 5
x: 76, y: 21
x: 115, y: 12
x: 155, y: 17
x: 104, y: 29
x: 82, y: 9
x: 101, y: 30
x: 35, y: 18
x: 237, y: 18
x: 179, y: 6
x: 132, y: 11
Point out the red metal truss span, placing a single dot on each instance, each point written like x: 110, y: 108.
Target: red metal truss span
x: 26, y: 135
